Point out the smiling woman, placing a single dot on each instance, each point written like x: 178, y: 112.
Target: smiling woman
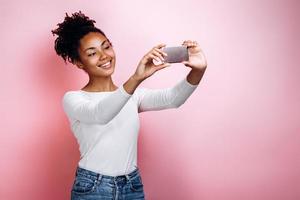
x: 104, y: 118
x: 86, y: 46
x: 97, y: 57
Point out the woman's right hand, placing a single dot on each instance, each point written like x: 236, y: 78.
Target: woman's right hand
x: 146, y: 67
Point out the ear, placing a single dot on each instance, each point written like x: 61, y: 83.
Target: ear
x: 78, y: 64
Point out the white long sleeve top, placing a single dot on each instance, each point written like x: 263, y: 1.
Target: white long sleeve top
x: 106, y: 124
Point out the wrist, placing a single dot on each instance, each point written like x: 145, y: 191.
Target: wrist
x: 198, y: 71
x: 195, y: 76
x: 136, y: 78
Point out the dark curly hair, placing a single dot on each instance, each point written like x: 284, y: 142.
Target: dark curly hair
x: 69, y: 32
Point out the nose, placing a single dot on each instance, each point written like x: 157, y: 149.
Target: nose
x: 103, y: 56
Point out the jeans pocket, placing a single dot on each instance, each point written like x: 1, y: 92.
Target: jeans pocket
x: 83, y: 185
x: 137, y: 184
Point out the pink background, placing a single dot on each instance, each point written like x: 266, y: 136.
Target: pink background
x: 236, y: 138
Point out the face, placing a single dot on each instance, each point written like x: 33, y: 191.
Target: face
x: 97, y: 56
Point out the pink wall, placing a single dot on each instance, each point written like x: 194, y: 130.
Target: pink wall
x: 236, y: 138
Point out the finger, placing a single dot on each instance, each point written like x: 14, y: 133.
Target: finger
x: 155, y: 58
x: 162, y: 52
x: 157, y: 62
x: 159, y: 67
x: 186, y: 63
x: 166, y: 64
x: 188, y: 43
x: 156, y: 47
x: 158, y: 54
x: 160, y: 45
x: 195, y: 43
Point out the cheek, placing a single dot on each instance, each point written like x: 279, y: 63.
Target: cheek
x: 111, y: 53
x: 92, y: 59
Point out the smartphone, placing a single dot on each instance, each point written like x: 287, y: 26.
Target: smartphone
x: 175, y: 54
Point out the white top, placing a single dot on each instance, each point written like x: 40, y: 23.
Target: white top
x: 106, y: 124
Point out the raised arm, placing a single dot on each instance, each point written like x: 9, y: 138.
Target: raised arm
x: 160, y: 99
x: 101, y: 111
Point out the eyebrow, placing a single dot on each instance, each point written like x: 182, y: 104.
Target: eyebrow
x: 94, y: 47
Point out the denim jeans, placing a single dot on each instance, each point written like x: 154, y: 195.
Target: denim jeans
x: 89, y: 185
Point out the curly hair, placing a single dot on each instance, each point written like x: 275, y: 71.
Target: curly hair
x: 69, y: 32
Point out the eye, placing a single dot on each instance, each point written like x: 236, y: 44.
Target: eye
x: 107, y: 45
x: 91, y: 54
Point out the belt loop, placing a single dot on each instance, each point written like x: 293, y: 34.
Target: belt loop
x: 116, y: 188
x: 99, y: 177
x: 127, y: 177
x: 115, y: 181
x: 76, y: 171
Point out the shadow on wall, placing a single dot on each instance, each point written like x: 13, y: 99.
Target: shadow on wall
x: 164, y: 172
x: 58, y: 149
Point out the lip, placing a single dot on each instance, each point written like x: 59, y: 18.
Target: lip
x: 105, y: 65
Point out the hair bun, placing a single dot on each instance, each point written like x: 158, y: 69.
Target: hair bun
x: 70, y: 31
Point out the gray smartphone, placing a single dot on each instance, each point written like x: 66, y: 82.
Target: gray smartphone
x: 175, y: 54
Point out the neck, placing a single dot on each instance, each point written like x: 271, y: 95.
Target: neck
x: 100, y: 84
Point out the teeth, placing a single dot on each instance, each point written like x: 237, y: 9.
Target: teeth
x: 106, y: 64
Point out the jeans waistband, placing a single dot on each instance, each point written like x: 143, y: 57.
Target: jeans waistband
x: 95, y: 175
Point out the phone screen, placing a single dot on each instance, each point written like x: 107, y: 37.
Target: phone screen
x: 176, y: 54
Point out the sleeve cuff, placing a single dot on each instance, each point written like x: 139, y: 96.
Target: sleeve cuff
x: 189, y: 84
x: 123, y: 91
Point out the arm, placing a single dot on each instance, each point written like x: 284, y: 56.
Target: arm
x: 177, y: 95
x: 159, y: 99
x: 101, y: 111
x: 104, y: 110
x: 195, y: 76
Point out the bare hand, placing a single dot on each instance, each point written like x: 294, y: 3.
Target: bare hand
x: 197, y: 58
x: 146, y: 67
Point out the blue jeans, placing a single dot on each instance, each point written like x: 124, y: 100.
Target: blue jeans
x: 89, y: 185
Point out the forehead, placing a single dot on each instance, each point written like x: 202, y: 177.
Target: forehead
x: 92, y: 39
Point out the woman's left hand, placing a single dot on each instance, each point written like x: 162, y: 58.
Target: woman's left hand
x: 197, y: 60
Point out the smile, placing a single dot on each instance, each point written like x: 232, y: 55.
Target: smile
x: 106, y: 65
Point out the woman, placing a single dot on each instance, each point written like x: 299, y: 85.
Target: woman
x: 104, y: 117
